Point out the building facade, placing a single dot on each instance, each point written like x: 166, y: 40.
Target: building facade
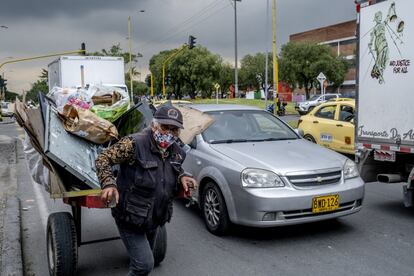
x: 342, y: 39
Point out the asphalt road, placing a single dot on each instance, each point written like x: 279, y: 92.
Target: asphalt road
x: 376, y: 241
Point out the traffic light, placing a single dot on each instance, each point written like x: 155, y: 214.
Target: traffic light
x: 3, y: 82
x: 167, y: 79
x: 191, y: 42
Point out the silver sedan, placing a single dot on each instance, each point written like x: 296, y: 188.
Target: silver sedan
x: 255, y: 170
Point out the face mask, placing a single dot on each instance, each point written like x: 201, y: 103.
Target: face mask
x: 164, y: 140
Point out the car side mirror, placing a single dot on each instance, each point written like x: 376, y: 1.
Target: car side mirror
x: 193, y: 144
x: 186, y: 148
x: 299, y: 132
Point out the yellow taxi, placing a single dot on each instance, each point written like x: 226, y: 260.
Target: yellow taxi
x: 331, y: 125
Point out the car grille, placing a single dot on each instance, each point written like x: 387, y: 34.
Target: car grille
x: 297, y: 214
x: 316, y: 179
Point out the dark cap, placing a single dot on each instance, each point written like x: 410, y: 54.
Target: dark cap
x: 169, y: 115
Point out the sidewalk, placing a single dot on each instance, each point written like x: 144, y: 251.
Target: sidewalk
x: 10, y: 230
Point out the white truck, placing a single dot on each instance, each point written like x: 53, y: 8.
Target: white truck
x: 384, y: 131
x: 78, y: 71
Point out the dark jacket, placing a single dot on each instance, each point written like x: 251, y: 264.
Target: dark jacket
x: 148, y: 184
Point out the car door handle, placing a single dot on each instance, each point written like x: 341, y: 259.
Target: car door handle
x: 316, y: 122
x: 339, y: 125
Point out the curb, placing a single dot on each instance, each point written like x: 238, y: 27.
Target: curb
x: 12, y: 252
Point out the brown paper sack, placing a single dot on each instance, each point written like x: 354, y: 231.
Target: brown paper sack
x: 194, y: 122
x: 87, y: 125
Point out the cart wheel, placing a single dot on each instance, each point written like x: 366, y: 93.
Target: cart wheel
x: 62, y: 250
x: 160, y: 245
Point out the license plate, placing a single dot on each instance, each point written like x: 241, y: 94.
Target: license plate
x: 384, y: 155
x: 322, y: 204
x: 326, y: 137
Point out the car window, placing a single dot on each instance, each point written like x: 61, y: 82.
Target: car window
x: 326, y: 112
x: 328, y: 97
x: 314, y: 98
x: 245, y: 126
x: 347, y: 113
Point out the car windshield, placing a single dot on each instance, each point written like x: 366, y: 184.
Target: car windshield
x: 314, y: 97
x: 237, y: 126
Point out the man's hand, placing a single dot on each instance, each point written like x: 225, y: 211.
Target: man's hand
x: 109, y: 194
x: 188, y: 183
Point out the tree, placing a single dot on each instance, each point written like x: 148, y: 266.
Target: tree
x: 225, y: 77
x: 252, y: 71
x: 300, y: 64
x: 38, y: 86
x: 191, y: 71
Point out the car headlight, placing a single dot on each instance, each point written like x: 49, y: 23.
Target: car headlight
x: 257, y: 178
x: 350, y: 169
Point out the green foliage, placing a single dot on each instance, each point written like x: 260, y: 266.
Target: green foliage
x: 115, y: 51
x: 38, y: 86
x: 252, y: 71
x: 191, y: 70
x: 225, y: 78
x: 11, y: 96
x: 300, y: 64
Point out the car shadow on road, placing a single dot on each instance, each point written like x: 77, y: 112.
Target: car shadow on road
x: 394, y: 208
x: 325, y: 228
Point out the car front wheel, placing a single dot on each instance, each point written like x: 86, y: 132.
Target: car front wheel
x: 214, y: 210
x: 310, y: 138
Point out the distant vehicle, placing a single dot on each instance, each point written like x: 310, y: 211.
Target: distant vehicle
x: 349, y: 94
x: 306, y: 106
x: 331, y: 125
x: 6, y: 109
x: 255, y: 170
x: 385, y: 114
x: 70, y: 71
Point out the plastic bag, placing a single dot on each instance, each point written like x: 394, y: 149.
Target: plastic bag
x: 71, y: 96
x: 86, y: 124
x: 39, y: 173
x: 110, y: 102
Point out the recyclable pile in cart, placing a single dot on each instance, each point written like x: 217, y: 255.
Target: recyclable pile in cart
x: 70, y: 128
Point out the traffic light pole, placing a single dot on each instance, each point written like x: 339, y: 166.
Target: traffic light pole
x: 39, y: 57
x: 164, y: 89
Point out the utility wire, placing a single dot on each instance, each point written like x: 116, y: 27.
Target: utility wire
x: 177, y: 27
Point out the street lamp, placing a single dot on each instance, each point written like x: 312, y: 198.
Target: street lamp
x: 3, y: 27
x: 130, y: 54
x: 236, y: 81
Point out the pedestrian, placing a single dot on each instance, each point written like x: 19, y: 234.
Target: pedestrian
x: 149, y: 177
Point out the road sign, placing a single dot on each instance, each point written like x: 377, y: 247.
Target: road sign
x: 321, y: 78
x: 217, y: 86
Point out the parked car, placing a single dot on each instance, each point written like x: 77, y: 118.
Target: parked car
x: 307, y: 106
x: 331, y: 125
x: 5, y: 109
x: 254, y: 170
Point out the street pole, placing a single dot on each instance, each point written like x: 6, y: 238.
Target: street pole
x: 152, y: 85
x: 130, y: 57
x: 275, y: 63
x: 267, y: 54
x: 236, y: 80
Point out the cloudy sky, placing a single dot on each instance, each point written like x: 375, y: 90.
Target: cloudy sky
x: 38, y: 27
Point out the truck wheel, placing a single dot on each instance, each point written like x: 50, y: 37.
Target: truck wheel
x: 62, y: 250
x: 214, y: 210
x: 160, y: 245
x: 310, y: 138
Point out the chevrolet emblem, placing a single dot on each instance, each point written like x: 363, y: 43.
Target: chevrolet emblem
x: 319, y: 179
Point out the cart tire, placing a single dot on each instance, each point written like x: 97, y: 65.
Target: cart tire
x: 160, y: 245
x: 61, y: 239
